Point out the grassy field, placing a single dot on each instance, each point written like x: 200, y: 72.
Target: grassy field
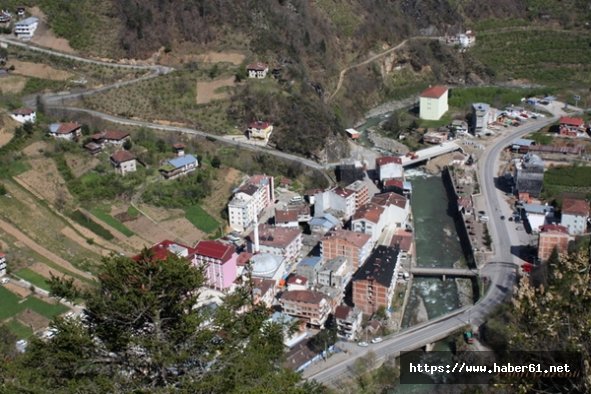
x: 93, y: 226
x: 201, y: 219
x: 554, y: 58
x: 498, y: 97
x: 19, y: 329
x: 43, y: 308
x: 111, y: 221
x: 9, y: 304
x: 33, y: 277
x: 574, y: 179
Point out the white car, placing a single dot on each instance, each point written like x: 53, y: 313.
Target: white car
x: 363, y: 344
x: 5, y: 281
x: 377, y: 340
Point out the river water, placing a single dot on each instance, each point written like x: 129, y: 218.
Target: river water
x: 437, y: 245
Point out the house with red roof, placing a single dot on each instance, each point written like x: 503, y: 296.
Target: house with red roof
x: 257, y: 70
x: 24, y: 115
x: 312, y: 306
x: 572, y: 127
x: 389, y: 167
x: 70, y: 131
x: 220, y: 263
x: 575, y: 215
x: 259, y: 130
x: 162, y: 250
x: 110, y: 137
x: 124, y: 162
x: 433, y: 103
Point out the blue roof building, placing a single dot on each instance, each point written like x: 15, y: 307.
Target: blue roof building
x: 179, y: 166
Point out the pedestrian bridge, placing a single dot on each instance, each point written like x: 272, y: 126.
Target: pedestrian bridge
x: 430, y: 153
x: 444, y: 272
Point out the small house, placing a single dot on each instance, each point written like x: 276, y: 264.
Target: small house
x: 93, y: 148
x: 24, y: 115
x: 179, y: 149
x: 70, y: 131
x: 257, y: 70
x: 571, y: 127
x: 25, y: 29
x: 353, y: 134
x: 179, y: 166
x: 260, y: 130
x: 110, y: 137
x: 124, y: 162
x: 5, y: 16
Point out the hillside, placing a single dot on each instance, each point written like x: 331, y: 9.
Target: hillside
x: 314, y: 40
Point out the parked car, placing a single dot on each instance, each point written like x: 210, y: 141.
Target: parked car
x: 363, y: 344
x: 377, y: 340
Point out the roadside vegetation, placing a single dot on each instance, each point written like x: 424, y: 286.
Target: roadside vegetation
x: 566, y: 179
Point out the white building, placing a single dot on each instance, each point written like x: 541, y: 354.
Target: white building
x: 575, y: 215
x: 66, y: 131
x: 124, y: 162
x: 267, y: 266
x: 433, y: 103
x: 2, y: 264
x: 389, y: 167
x: 337, y: 201
x: 260, y: 130
x: 279, y: 241
x: 25, y: 29
x: 386, y: 209
x: 538, y: 215
x: 482, y: 116
x: 348, y: 322
x: 249, y: 200
x: 24, y: 115
x: 257, y: 70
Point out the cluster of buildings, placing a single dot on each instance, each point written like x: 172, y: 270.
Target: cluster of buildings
x: 23, y: 28
x: 463, y: 40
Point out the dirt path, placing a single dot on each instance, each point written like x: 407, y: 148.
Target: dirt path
x: 22, y: 237
x: 373, y: 58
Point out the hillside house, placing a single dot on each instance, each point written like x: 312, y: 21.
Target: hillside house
x: 179, y: 166
x: 353, y: 134
x: 25, y: 29
x: 219, y: 261
x: 110, y: 137
x: 5, y: 17
x: 433, y: 103
x: 257, y: 70
x: 572, y: 127
x: 124, y: 162
x: 575, y: 215
x: 179, y: 149
x: 355, y: 246
x: 66, y: 131
x: 260, y: 130
x: 162, y: 250
x: 374, y: 283
x: 389, y: 167
x: 311, y: 306
x: 24, y: 115
x: 552, y: 236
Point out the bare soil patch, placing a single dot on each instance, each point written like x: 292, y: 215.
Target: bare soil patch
x: 148, y: 230
x: 45, y: 37
x: 19, y: 291
x: 36, y: 149
x: 160, y: 214
x: 79, y: 165
x: 74, y: 236
x: 5, y: 137
x: 46, y: 272
x: 38, y: 70
x: 184, y: 230
x: 32, y: 319
x: 208, y: 91
x: 45, y: 179
x: 12, y: 84
x: 222, y: 57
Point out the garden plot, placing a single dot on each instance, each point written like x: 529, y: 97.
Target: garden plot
x: 80, y: 165
x: 38, y: 70
x: 12, y: 84
x: 46, y: 181
x: 208, y: 91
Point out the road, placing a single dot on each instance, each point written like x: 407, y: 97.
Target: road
x: 501, y: 273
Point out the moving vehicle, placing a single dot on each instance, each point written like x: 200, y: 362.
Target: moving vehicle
x: 363, y: 344
x: 377, y: 340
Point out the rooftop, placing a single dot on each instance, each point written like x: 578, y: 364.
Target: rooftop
x: 115, y: 135
x: 303, y: 296
x: 380, y: 161
x: 390, y: 198
x: 182, y: 161
x: 28, y: 21
x: 163, y: 249
x: 370, y: 212
x: 357, y: 239
x: 553, y: 228
x: 295, y: 279
x: 480, y: 106
x: 260, y: 125
x: 278, y: 237
x: 23, y: 111
x: 434, y: 91
x: 379, y: 267
x: 257, y: 66
x: 311, y: 261
x: 578, y: 122
x: 286, y: 215
x: 122, y: 156
x: 357, y: 186
x: 63, y: 128
x: 339, y: 191
x: 575, y: 206
x: 342, y: 312
x: 249, y: 189
x: 214, y: 249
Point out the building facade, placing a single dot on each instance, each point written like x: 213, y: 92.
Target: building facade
x: 348, y: 322
x: 433, y: 103
x: 389, y: 167
x: 25, y: 29
x: 356, y: 247
x: 124, y: 162
x: 308, y: 305
x: 552, y: 236
x: 219, y: 260
x: 24, y: 115
x: 575, y: 215
x: 2, y: 264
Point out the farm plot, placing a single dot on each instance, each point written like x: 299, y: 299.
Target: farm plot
x: 46, y: 181
x: 12, y: 84
x: 38, y: 70
x: 208, y: 91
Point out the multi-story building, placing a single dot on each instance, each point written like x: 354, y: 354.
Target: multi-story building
x: 433, y: 103
x: 396, y: 209
x: 335, y: 272
x: 309, y: 267
x: 355, y: 246
x: 361, y: 193
x: 575, y: 215
x: 348, y: 322
x: 368, y: 220
x: 124, y: 162
x: 389, y: 167
x: 219, y: 260
x: 260, y: 130
x: 310, y: 305
x: 337, y: 201
x: 25, y: 29
x: 179, y: 166
x: 552, y: 236
x: 374, y: 283
x: 529, y: 175
x: 482, y: 116
x: 280, y: 241
x: 249, y: 201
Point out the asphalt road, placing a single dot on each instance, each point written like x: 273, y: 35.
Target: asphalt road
x: 500, y: 271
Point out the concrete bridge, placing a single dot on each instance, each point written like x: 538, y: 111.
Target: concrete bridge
x: 444, y: 272
x: 430, y: 153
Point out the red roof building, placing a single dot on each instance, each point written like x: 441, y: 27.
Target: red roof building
x: 567, y: 121
x: 220, y: 262
x: 122, y: 156
x: 162, y: 250
x: 434, y: 91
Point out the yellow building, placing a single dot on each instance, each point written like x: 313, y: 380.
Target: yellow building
x: 260, y: 130
x: 433, y: 103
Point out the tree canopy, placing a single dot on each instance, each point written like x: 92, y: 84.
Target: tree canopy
x: 143, y: 330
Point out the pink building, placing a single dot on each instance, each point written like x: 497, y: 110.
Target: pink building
x: 220, y: 262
